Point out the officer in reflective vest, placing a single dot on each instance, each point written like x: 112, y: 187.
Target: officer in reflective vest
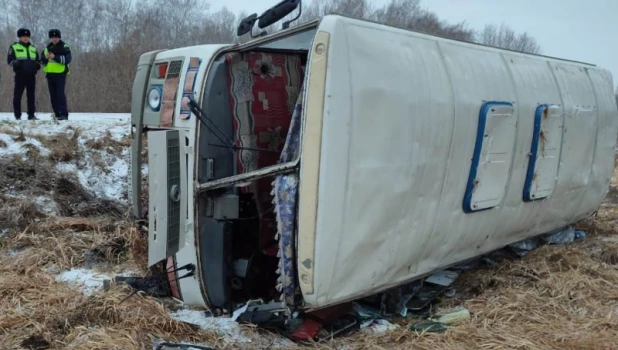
x: 56, y: 59
x: 24, y: 59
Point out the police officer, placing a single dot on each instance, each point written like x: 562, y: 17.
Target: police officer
x: 24, y: 58
x: 56, y: 59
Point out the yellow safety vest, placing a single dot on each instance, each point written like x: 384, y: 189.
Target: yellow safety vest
x: 53, y: 66
x: 23, y: 53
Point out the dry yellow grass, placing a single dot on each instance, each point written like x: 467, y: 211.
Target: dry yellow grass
x: 34, y: 304
x: 557, y: 297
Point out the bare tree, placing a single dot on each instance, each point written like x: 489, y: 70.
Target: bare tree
x: 108, y: 36
x: 505, y: 37
x: 408, y: 14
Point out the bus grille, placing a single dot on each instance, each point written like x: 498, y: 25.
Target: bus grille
x: 174, y: 69
x: 173, y: 180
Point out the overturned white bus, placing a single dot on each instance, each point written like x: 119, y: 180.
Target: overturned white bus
x: 340, y: 158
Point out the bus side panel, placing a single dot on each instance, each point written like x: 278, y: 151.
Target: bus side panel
x: 400, y: 124
x: 476, y: 76
x: 603, y: 166
x: 578, y: 145
x: 376, y: 145
x: 534, y: 86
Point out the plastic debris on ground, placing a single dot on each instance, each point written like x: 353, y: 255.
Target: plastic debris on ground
x: 425, y: 296
x: 452, y: 316
x: 379, y: 326
x: 560, y: 236
x: 370, y: 320
x: 522, y: 248
x: 440, y: 321
x: 308, y: 330
x: 564, y: 236
x: 443, y: 278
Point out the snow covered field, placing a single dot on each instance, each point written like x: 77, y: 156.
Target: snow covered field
x: 102, y: 172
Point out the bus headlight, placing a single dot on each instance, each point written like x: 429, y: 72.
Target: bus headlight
x: 154, y: 98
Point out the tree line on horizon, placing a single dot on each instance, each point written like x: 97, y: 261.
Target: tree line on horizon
x: 108, y: 36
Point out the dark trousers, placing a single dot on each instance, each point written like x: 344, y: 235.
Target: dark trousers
x: 57, y: 84
x: 24, y: 82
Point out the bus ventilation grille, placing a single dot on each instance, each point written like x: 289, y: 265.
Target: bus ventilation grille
x: 174, y: 69
x: 173, y: 183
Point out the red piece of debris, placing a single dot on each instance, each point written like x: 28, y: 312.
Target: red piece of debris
x: 307, y: 331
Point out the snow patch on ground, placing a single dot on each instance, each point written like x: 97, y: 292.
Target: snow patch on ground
x: 108, y: 180
x: 87, y: 280
x: 10, y: 147
x: 225, y: 326
x: 102, y: 173
x: 46, y: 205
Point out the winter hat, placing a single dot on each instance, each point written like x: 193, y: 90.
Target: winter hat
x: 23, y: 32
x: 55, y: 33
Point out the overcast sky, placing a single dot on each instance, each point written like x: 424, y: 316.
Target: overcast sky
x: 583, y: 30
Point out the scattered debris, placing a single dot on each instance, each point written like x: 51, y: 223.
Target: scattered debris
x: 340, y: 327
x: 522, y: 248
x: 560, y: 236
x: 453, y: 316
x: 378, y: 326
x: 563, y: 236
x: 443, y: 278
x: 426, y: 295
x: 308, y: 330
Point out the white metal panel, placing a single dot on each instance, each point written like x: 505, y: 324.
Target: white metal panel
x: 492, y: 156
x: 603, y: 166
x: 477, y: 75
x: 157, y: 196
x: 161, y: 243
x: 534, y: 85
x: 544, y: 153
x: 578, y: 143
x: 383, y: 128
x: 400, y: 123
x: 189, y: 287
